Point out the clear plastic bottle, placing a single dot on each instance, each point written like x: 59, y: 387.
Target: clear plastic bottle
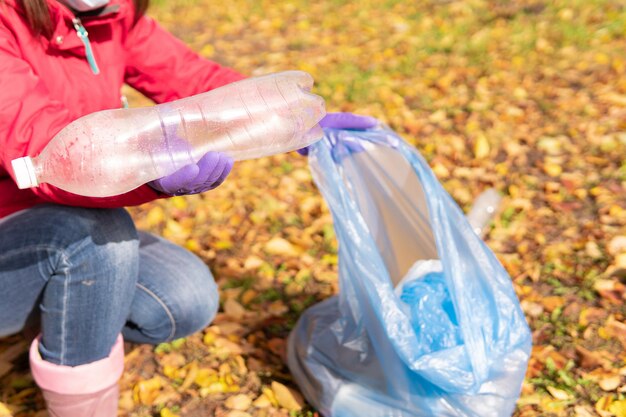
x: 114, y: 151
x: 484, y: 209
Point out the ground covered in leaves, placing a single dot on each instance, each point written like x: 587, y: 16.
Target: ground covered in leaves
x: 528, y: 97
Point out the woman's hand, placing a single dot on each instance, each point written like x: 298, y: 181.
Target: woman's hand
x: 210, y: 171
x: 344, y: 121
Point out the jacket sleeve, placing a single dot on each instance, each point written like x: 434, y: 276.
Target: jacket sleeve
x: 163, y: 68
x: 30, y: 117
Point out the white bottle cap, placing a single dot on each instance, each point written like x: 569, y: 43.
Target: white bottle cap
x: 24, y: 172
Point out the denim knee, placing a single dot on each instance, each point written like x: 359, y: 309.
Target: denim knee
x: 176, y: 295
x: 200, y: 299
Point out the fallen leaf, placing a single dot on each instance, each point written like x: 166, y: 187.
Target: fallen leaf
x: 226, y: 347
x: 591, y: 315
x: 166, y: 412
x: 277, y: 308
x: 617, y: 245
x: 238, y: 402
x: 252, y: 262
x: 611, y: 383
x: 551, y: 303
x: 147, y: 390
x: 481, y: 147
x: 5, y: 411
x: 616, y: 329
x: 286, y: 397
x: 618, y: 408
x: 603, y: 404
x: 592, y: 359
x: 233, y: 309
x: 580, y: 411
x: 262, y: 402
x: 205, y: 377
x: 559, y: 394
x: 280, y: 246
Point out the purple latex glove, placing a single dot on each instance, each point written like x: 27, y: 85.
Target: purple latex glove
x: 210, y: 171
x: 344, y: 121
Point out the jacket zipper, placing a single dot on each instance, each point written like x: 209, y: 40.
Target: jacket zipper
x: 84, y: 37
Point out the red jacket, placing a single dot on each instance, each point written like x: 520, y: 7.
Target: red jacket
x: 47, y: 83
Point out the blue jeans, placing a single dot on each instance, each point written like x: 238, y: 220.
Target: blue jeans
x: 88, y: 274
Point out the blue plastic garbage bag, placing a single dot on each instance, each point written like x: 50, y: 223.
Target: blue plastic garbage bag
x: 426, y: 322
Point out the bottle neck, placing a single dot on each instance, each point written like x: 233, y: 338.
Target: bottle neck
x: 37, y: 169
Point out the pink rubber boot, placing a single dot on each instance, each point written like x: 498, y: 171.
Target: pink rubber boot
x: 89, y: 390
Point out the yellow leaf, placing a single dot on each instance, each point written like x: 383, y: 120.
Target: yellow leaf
x: 170, y: 371
x: 618, y: 408
x: 192, y: 245
x: 223, y: 244
x: 209, y: 338
x: 481, y: 147
x: 192, y: 372
x: 270, y: 396
x: 552, y: 170
x: 520, y: 93
x: 441, y: 171
x: 179, y: 202
x: 155, y: 216
x: 286, y: 397
x: 205, y: 377
x: 558, y: 394
x: 603, y: 404
x: 214, y: 388
x: 207, y: 51
x: 620, y: 260
x: 438, y: 116
x: 549, y: 145
x: 262, y: 402
x: 146, y: 391
x: 330, y: 259
x: 615, y: 99
x: 166, y: 412
x: 174, y: 229
x: 603, y: 333
x: 4, y: 411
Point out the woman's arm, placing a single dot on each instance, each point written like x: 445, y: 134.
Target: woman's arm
x: 164, y: 69
x: 30, y: 117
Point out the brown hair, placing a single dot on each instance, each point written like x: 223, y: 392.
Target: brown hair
x: 38, y: 14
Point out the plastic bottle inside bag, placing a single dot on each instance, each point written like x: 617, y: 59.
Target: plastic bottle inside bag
x: 114, y: 151
x: 484, y: 209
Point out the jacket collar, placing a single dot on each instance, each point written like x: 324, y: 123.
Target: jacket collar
x: 62, y: 17
x: 60, y: 13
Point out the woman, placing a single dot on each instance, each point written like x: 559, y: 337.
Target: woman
x: 77, y: 263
